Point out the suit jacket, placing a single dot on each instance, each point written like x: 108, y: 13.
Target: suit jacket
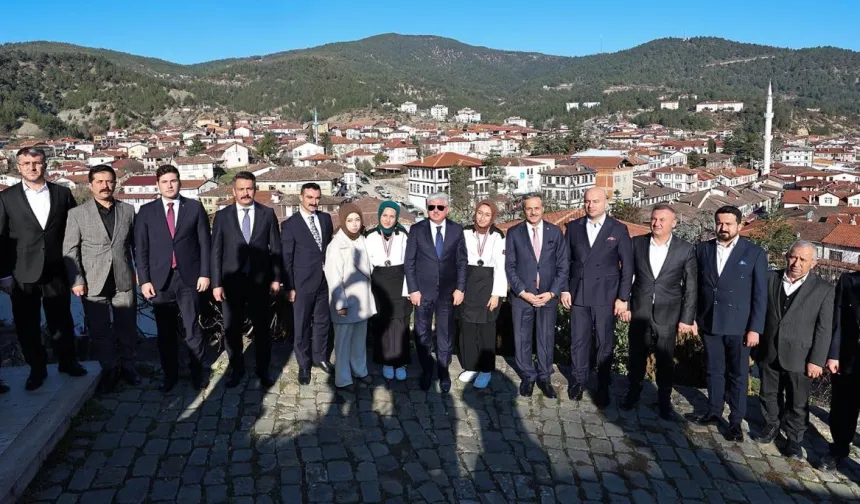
x: 803, y: 334
x: 257, y: 262
x: 154, y: 248
x: 522, y: 266
x: 303, y: 260
x: 90, y: 252
x: 736, y: 301
x: 846, y: 322
x: 671, y: 297
x: 29, y: 252
x: 435, y: 278
x: 603, y: 273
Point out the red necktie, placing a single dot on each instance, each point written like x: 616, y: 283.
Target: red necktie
x: 171, y: 226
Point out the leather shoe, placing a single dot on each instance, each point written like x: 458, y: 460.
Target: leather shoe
x: 602, y: 398
x: 706, y: 419
x: 35, y: 380
x: 304, y: 376
x: 426, y: 381
x: 574, y: 392
x: 735, y: 433
x: 235, y: 380
x: 526, y: 388
x: 109, y: 380
x: 793, y: 450
x: 129, y: 376
x: 266, y: 381
x: 325, y: 366
x: 668, y: 414
x: 767, y: 435
x: 445, y: 385
x: 167, y: 385
x: 199, y: 380
x: 546, y: 388
x: 3, y: 387
x: 72, y: 368
x: 630, y: 401
x: 830, y: 462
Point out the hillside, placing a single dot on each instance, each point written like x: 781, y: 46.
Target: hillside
x: 96, y: 86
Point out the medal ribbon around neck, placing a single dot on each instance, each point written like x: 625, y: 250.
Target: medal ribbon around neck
x: 481, y: 246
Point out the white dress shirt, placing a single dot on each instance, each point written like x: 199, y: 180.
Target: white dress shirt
x: 165, y: 201
x: 493, y: 256
x: 723, y: 253
x: 593, y: 228
x: 240, y: 210
x: 433, y: 230
x: 316, y: 223
x: 40, y: 202
x: 657, y: 255
x: 791, y: 287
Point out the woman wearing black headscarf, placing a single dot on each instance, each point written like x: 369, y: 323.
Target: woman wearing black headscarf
x: 389, y: 329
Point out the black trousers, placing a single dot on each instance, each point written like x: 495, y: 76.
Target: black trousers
x: 844, y: 408
x: 247, y: 300
x: 644, y: 336
x: 178, y: 302
x: 478, y: 346
x: 311, y: 322
x: 28, y: 299
x: 444, y: 312
x: 791, y: 410
x: 390, y: 341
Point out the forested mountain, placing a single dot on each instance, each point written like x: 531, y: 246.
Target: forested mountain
x: 40, y: 79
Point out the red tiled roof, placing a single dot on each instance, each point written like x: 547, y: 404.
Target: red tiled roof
x: 845, y: 235
x: 446, y: 160
x: 140, y: 180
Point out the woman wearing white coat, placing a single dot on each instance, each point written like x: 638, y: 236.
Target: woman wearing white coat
x: 348, y: 271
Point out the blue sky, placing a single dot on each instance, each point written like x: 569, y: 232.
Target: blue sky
x: 190, y: 31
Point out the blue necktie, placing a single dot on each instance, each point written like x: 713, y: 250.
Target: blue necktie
x: 439, y: 242
x: 246, y: 226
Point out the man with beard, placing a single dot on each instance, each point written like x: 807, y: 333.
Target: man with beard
x: 732, y: 304
x: 98, y: 248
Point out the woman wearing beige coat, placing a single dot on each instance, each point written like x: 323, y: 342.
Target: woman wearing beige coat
x: 347, y: 271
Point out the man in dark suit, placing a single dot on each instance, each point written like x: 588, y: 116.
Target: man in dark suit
x: 33, y: 218
x: 435, y: 266
x: 304, y: 239
x: 794, y: 346
x: 536, y: 263
x: 246, y: 270
x: 732, y: 303
x: 171, y: 237
x: 662, y: 304
x: 842, y: 361
x: 601, y: 273
x: 98, y: 249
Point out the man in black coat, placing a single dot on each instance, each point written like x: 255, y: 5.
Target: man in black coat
x: 793, y: 347
x: 662, y: 303
x: 246, y: 271
x: 842, y: 361
x: 33, y: 218
x: 304, y: 240
x: 172, y: 246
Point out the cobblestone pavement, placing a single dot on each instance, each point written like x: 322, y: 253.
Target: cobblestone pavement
x: 395, y: 443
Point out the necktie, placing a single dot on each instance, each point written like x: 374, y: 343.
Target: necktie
x: 439, y: 242
x: 171, y: 226
x: 246, y: 226
x: 536, y: 247
x: 315, y: 232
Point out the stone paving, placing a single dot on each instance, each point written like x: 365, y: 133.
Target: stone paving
x: 394, y: 443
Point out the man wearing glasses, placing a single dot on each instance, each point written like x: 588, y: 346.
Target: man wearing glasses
x: 435, y: 266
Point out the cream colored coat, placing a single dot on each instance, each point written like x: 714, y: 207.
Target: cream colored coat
x: 347, y: 272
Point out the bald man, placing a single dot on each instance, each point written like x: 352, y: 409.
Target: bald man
x: 601, y: 275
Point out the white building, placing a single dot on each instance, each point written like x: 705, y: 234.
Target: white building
x: 439, y: 112
x: 516, y: 121
x: 570, y: 106
x: 566, y: 184
x: 590, y: 104
x: 677, y: 177
x: 432, y: 175
x: 301, y: 150
x: 718, y: 106
x: 522, y: 174
x: 467, y: 115
x: 231, y: 155
x: 409, y: 107
x: 195, y: 167
x: 243, y: 131
x: 669, y: 104
x: 140, y: 184
x: 796, y: 155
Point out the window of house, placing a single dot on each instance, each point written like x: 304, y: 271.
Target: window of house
x: 835, y: 255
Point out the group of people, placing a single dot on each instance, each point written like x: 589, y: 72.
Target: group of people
x: 451, y: 278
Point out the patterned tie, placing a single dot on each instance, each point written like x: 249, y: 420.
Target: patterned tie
x: 315, y: 232
x: 171, y: 226
x: 536, y: 247
x: 439, y: 242
x: 246, y: 225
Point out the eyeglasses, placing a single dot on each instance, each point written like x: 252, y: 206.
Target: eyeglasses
x: 431, y: 208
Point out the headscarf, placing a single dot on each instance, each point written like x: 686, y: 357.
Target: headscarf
x: 493, y: 210
x: 397, y: 225
x: 343, y: 213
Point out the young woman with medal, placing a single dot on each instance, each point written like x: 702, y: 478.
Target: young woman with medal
x: 348, y: 271
x: 389, y: 329
x: 486, y: 284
